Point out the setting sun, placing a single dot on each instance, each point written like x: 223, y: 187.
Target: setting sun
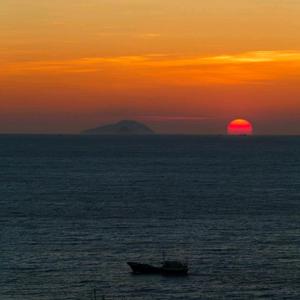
x: 240, y: 127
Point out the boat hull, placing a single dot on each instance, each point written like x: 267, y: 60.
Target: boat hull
x: 138, y: 268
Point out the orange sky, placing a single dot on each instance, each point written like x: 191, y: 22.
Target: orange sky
x: 180, y: 66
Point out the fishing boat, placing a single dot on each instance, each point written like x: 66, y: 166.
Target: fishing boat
x: 168, y: 268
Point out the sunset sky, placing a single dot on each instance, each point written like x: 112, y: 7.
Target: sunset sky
x: 180, y: 66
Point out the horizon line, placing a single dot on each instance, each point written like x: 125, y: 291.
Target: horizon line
x: 150, y: 135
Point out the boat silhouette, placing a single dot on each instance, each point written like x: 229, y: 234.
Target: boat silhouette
x: 167, y: 268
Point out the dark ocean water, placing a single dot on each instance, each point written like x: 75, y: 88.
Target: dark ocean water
x: 74, y: 209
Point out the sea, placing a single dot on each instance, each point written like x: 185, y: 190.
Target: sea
x: 75, y: 209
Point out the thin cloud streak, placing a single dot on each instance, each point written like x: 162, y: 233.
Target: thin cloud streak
x: 161, y: 60
x: 173, y: 118
x: 255, y: 67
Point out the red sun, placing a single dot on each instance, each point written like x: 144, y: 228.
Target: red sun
x: 240, y: 127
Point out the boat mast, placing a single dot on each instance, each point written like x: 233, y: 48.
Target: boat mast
x: 164, y: 256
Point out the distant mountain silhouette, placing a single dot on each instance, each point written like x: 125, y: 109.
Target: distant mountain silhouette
x: 124, y: 127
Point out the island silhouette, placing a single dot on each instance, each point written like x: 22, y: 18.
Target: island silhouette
x: 123, y: 127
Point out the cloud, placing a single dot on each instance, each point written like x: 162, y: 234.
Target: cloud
x: 134, y: 35
x: 249, y: 67
x: 174, y: 118
x: 257, y: 57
